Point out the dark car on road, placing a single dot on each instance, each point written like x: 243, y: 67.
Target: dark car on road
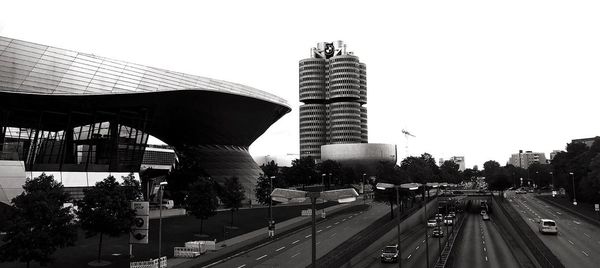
x: 437, y: 232
x: 389, y: 254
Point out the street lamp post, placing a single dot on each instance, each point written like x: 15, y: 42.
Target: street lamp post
x: 340, y: 195
x: 574, y: 196
x: 363, y: 189
x: 269, y: 226
x: 160, y: 205
x: 408, y: 186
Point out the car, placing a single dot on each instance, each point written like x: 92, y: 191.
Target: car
x: 437, y: 232
x: 547, y: 226
x: 485, y: 216
x: 439, y: 217
x: 452, y: 215
x: 389, y: 254
x: 448, y: 220
x: 168, y: 203
x: 520, y: 191
x: 432, y: 223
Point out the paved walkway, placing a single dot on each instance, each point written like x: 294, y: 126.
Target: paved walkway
x: 229, y: 246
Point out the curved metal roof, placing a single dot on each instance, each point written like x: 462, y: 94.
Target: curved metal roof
x: 31, y: 68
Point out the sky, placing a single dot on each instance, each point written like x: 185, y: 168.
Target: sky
x: 480, y: 79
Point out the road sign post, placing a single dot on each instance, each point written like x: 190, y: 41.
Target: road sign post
x: 139, y: 228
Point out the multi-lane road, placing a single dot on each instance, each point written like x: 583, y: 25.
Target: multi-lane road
x: 413, y: 245
x: 295, y: 250
x: 577, y: 243
x: 481, y: 245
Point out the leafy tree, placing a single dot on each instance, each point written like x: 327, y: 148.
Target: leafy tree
x: 185, y: 173
x: 420, y: 169
x: 499, y: 180
x: 270, y: 169
x: 449, y: 172
x: 202, y: 200
x: 105, y: 209
x: 590, y: 184
x: 263, y: 190
x: 303, y: 171
x: 490, y: 167
x: 470, y: 174
x: 132, y: 187
x: 232, y: 195
x: 39, y: 224
x: 388, y: 172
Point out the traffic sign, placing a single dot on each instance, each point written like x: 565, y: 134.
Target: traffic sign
x: 597, y: 207
x: 139, y: 228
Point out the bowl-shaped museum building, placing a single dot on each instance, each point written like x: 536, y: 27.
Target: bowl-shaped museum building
x: 81, y: 117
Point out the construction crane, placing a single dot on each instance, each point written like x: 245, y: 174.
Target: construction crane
x: 406, y: 135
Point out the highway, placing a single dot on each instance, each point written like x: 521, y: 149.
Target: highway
x: 481, y: 245
x: 295, y: 250
x: 577, y: 243
x: 412, y: 245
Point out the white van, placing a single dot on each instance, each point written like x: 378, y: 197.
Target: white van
x: 548, y: 226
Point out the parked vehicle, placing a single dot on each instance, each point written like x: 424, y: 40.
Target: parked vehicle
x: 547, y: 226
x: 389, y: 254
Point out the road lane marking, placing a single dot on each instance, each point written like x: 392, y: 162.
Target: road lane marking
x: 486, y: 258
x: 332, y: 235
x: 328, y: 227
x: 571, y: 242
x: 576, y: 222
x: 259, y: 258
x: 279, y: 249
x: 409, y: 256
x: 296, y: 254
x: 318, y: 243
x: 587, y: 235
x: 343, y: 219
x: 558, y: 213
x: 417, y: 247
x: 484, y: 249
x: 423, y: 241
x: 295, y: 242
x: 241, y: 266
x: 337, y: 222
x: 308, y: 236
x: 585, y: 253
x: 319, y: 231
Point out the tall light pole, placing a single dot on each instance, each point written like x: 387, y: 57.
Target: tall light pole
x: 270, y: 205
x: 340, y: 195
x: 409, y: 186
x: 323, y: 179
x: 329, y: 185
x: 574, y: 196
x: 425, y: 194
x: 160, y: 205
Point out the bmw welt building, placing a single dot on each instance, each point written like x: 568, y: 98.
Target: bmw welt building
x: 81, y: 117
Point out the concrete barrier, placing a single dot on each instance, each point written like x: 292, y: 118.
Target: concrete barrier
x: 185, y: 252
x: 153, y: 263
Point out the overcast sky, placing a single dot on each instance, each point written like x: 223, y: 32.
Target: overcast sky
x: 481, y: 79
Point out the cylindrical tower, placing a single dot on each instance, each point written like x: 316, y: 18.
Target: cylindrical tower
x: 313, y: 113
x: 333, y: 90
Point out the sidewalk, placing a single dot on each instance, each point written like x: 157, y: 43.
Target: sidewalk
x: 241, y: 243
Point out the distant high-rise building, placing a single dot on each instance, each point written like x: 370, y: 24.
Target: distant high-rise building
x: 333, y: 90
x: 460, y: 161
x: 524, y: 159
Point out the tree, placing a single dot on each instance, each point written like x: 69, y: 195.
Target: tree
x: 232, y: 195
x: 263, y: 190
x: 331, y: 169
x: 389, y: 172
x: 132, y: 187
x: 270, y: 169
x: 449, y: 172
x: 186, y: 172
x: 499, y: 180
x: 590, y: 185
x: 105, y: 209
x: 490, y: 167
x: 420, y: 169
x: 39, y: 224
x: 202, y: 200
